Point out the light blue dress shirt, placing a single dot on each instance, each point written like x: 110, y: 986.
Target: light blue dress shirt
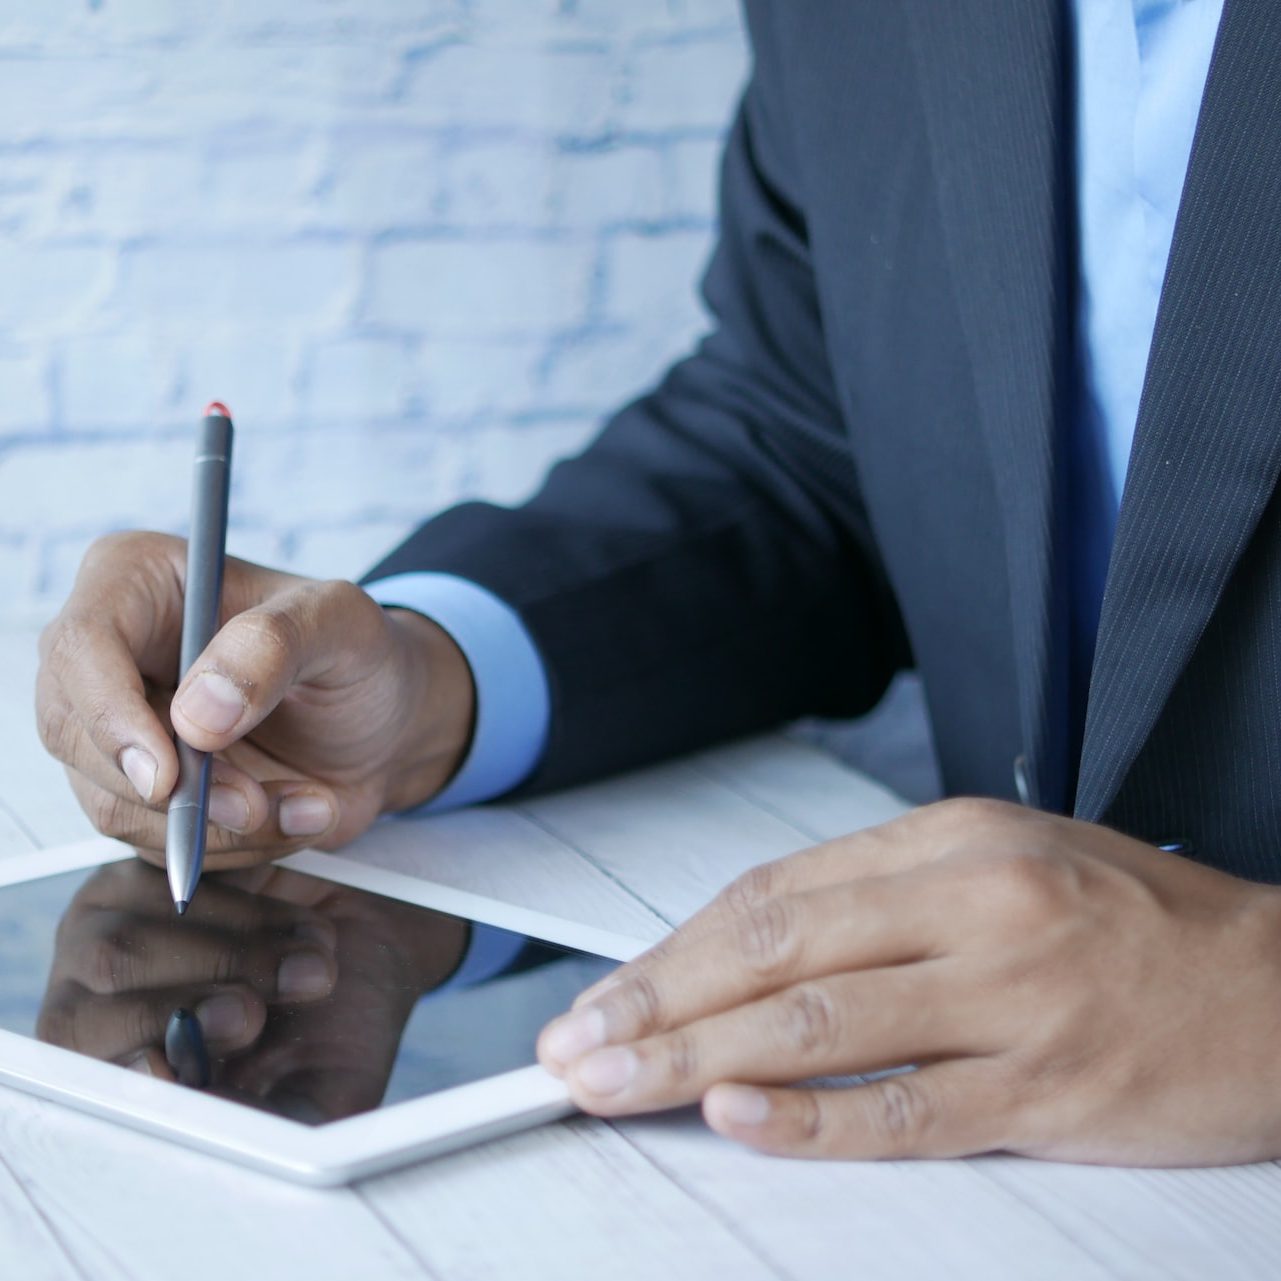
x: 1141, y: 72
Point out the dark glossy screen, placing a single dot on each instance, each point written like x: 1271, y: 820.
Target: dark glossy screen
x: 279, y: 990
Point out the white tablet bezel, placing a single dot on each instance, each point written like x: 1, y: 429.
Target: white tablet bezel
x: 339, y: 1151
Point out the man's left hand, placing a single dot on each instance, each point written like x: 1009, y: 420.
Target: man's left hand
x: 1064, y: 992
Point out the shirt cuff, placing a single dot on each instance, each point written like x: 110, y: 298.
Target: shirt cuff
x: 513, y: 703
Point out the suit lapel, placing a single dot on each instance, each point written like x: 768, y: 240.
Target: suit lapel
x: 1207, y: 447
x: 992, y: 75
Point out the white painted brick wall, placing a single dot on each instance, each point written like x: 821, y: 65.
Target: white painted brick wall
x: 420, y: 246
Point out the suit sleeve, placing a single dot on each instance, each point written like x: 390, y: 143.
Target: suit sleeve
x: 704, y: 568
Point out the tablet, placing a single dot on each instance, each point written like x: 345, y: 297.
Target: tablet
x: 319, y: 1019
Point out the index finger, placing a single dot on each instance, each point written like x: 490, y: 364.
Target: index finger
x: 900, y: 845
x: 112, y: 954
x: 121, y: 934
x: 120, y: 1028
x: 882, y: 921
x: 91, y: 696
x: 120, y: 625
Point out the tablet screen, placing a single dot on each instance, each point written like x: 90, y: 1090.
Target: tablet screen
x: 277, y: 989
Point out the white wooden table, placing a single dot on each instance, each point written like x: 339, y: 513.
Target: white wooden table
x: 81, y: 1200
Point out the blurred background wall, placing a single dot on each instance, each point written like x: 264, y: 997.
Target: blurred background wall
x: 419, y: 246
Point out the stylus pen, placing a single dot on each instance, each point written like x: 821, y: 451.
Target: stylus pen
x: 206, y: 552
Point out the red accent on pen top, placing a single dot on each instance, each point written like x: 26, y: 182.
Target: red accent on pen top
x: 216, y: 407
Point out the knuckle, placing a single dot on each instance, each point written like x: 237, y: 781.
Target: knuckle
x: 125, y: 543
x: 809, y: 1119
x: 111, y: 815
x: 755, y: 886
x: 109, y: 963
x: 348, y: 600
x: 55, y: 725
x: 975, y: 811
x: 682, y: 1058
x: 767, y: 935
x: 225, y: 966
x: 138, y: 1024
x: 1031, y: 888
x: 269, y: 632
x: 644, y: 1002
x: 344, y: 608
x: 900, y: 1114
x: 100, y: 724
x: 809, y: 1021
x: 64, y: 642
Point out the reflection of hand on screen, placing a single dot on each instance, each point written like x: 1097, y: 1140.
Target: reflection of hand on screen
x: 301, y: 987
x: 123, y: 962
x: 331, y: 1058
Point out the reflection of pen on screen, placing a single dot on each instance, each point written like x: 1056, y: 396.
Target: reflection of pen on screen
x: 185, y: 1049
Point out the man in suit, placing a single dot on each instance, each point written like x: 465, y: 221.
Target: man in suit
x: 994, y: 392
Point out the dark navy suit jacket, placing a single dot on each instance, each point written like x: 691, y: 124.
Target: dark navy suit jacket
x: 859, y: 470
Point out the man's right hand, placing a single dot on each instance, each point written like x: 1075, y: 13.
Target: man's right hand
x: 322, y: 708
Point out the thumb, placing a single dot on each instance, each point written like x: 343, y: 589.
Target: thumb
x: 304, y: 634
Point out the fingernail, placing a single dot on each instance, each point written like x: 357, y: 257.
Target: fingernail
x: 305, y: 815
x: 572, y: 1036
x: 222, y: 1018
x: 739, y: 1105
x: 140, y: 769
x: 303, y: 976
x: 212, y: 702
x: 608, y: 1071
x: 141, y: 1064
x: 228, y: 807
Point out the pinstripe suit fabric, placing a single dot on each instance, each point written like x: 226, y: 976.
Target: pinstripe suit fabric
x: 860, y: 468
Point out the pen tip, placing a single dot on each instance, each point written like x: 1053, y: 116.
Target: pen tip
x: 181, y: 905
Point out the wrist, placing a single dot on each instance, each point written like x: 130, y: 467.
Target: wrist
x: 440, y: 710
